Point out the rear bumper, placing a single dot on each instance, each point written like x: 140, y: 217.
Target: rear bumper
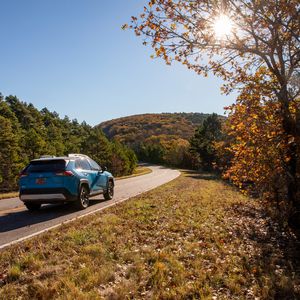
x: 46, y: 195
x: 59, y: 197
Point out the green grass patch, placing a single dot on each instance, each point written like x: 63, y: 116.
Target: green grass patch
x: 193, y: 238
x: 9, y: 195
x: 137, y: 172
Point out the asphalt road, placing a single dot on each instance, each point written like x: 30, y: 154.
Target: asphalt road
x: 17, y: 223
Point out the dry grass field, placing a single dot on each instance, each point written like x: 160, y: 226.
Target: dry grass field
x: 193, y: 238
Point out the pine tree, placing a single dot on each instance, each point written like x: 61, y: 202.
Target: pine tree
x: 203, y: 142
x: 8, y: 155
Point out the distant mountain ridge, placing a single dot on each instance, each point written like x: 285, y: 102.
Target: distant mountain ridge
x: 133, y: 130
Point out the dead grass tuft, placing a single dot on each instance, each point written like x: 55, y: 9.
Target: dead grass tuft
x: 9, y: 195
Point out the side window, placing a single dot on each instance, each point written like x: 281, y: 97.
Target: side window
x: 78, y: 164
x: 94, y: 165
x: 85, y: 164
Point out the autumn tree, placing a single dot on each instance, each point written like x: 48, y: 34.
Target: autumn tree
x: 233, y: 39
x: 122, y: 160
x: 177, y: 153
x: 257, y: 140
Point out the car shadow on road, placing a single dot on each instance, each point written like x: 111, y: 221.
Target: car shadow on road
x: 17, y: 219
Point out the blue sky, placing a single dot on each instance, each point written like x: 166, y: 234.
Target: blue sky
x: 71, y: 56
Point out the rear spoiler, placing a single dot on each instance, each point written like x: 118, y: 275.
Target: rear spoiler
x: 78, y: 155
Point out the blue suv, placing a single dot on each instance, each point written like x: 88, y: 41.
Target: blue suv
x: 62, y: 179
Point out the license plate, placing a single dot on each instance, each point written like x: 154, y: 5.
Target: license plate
x: 40, y: 180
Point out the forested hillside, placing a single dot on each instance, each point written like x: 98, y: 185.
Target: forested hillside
x: 27, y: 133
x: 133, y: 129
x: 158, y: 138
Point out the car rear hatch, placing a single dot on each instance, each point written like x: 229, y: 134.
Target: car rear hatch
x: 44, y: 174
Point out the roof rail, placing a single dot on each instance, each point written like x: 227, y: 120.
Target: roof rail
x: 77, y: 155
x: 47, y: 156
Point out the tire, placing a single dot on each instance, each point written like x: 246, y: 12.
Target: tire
x: 83, y: 198
x: 109, y: 193
x: 32, y: 206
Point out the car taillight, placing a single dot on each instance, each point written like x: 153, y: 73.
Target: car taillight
x: 65, y: 173
x: 23, y: 174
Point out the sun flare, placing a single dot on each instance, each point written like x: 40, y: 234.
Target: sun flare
x: 222, y: 26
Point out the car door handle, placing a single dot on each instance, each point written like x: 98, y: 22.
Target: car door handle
x: 85, y: 174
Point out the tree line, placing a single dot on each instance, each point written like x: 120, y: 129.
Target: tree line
x: 27, y: 133
x: 158, y: 138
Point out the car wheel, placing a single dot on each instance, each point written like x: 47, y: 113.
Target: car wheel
x: 109, y: 193
x: 83, y: 198
x: 32, y: 206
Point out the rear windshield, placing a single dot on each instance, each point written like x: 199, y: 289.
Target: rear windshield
x: 46, y: 166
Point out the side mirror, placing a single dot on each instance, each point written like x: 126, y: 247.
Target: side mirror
x: 102, y: 170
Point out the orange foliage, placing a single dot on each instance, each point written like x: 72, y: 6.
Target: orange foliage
x: 258, y: 142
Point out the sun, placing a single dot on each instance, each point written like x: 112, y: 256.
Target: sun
x: 222, y: 26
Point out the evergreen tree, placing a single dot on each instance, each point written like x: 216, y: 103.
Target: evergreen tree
x: 203, y: 142
x: 9, y: 151
x: 97, y: 146
x: 27, y: 133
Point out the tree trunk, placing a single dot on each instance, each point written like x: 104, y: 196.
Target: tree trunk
x: 291, y: 126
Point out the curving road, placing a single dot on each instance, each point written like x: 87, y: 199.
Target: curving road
x: 17, y: 223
